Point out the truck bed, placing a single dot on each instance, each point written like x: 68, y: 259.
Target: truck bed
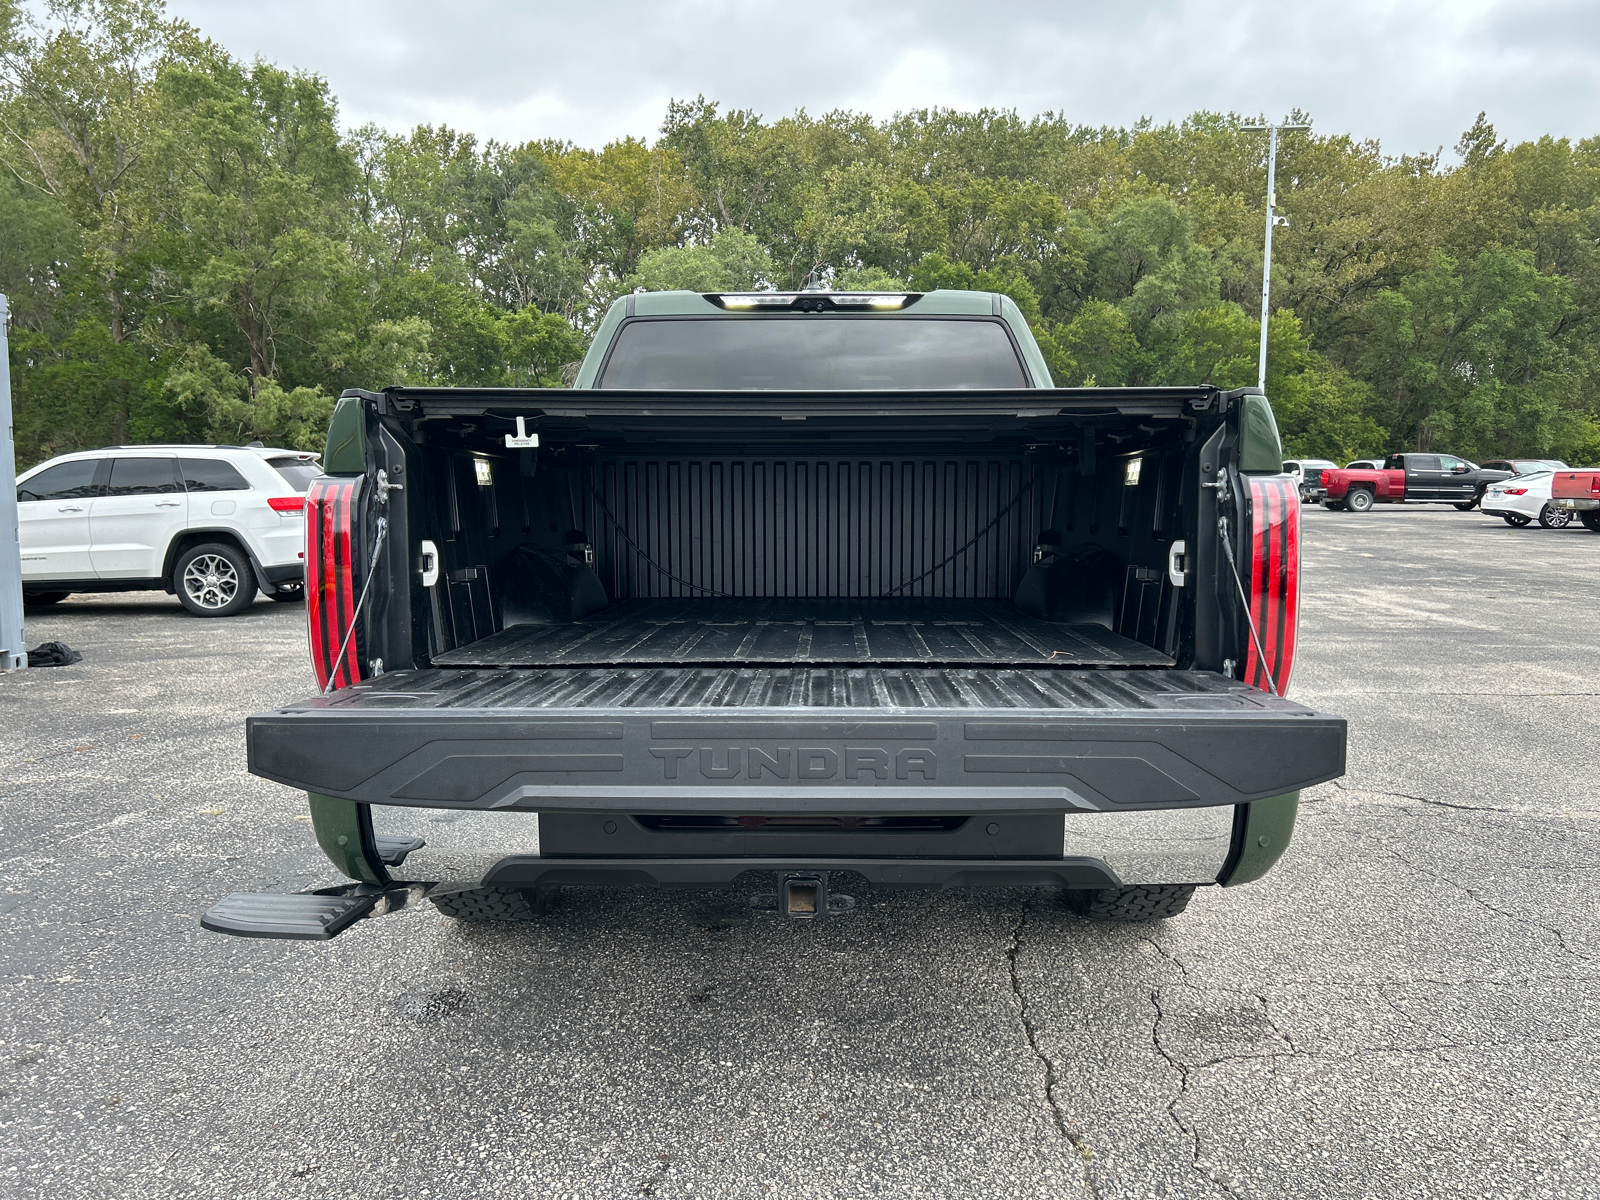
x: 761, y: 739
x: 713, y: 632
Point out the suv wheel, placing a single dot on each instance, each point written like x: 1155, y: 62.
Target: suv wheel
x: 43, y: 598
x: 1359, y: 500
x: 1554, y: 518
x: 1150, y: 903
x: 491, y: 906
x: 214, y: 580
x: 1591, y: 520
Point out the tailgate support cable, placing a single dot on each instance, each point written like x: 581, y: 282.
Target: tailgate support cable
x: 1223, y: 493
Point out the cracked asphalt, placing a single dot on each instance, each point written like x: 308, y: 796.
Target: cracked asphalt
x: 1407, y: 1007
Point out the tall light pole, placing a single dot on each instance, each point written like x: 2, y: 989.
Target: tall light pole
x: 1272, y: 219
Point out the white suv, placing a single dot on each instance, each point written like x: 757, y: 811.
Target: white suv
x: 212, y: 524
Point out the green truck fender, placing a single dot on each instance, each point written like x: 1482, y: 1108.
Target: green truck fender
x: 344, y: 831
x: 1261, y: 833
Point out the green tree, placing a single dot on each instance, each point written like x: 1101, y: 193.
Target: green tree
x: 261, y: 204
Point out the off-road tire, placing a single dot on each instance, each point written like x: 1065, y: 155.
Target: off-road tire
x: 1360, y: 500
x: 1554, y: 518
x: 493, y: 906
x: 1517, y: 520
x: 40, y: 599
x: 1591, y: 520
x: 1149, y: 903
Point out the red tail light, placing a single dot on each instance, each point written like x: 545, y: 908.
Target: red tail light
x: 1516, y: 491
x: 1322, y: 477
x: 1594, y: 482
x: 331, y: 512
x: 1274, y: 581
x: 286, y: 503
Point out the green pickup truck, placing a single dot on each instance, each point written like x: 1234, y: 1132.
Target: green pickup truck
x: 802, y: 592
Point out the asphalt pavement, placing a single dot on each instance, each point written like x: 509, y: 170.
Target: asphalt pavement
x: 1407, y: 1007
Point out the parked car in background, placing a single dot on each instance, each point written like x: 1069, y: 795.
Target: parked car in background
x: 1523, y: 499
x: 1410, y: 479
x: 1524, y: 466
x: 1365, y: 464
x: 211, y: 524
x: 1578, y: 491
x: 1307, y: 474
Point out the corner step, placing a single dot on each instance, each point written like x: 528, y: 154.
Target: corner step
x: 393, y: 850
x: 295, y: 917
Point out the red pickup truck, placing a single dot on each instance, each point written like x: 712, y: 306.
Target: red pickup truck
x: 1410, y: 479
x: 1578, y: 492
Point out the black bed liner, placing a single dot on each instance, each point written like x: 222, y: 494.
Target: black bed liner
x: 709, y: 632
x: 820, y: 740
x: 875, y: 687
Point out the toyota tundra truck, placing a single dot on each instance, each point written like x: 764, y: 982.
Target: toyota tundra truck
x: 802, y: 593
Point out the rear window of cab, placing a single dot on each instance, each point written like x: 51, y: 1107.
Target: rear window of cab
x: 813, y: 353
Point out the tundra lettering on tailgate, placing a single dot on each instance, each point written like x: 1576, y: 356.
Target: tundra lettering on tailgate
x: 795, y: 762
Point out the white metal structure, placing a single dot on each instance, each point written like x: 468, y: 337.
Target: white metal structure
x: 211, y: 524
x: 1272, y: 219
x: 13, y: 653
x: 1523, y: 499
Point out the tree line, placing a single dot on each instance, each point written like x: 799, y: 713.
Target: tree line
x: 195, y: 250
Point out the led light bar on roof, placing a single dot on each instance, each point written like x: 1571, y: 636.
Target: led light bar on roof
x: 812, y: 301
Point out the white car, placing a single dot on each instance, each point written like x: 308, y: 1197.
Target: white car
x: 1307, y: 474
x: 211, y: 524
x: 1523, y: 499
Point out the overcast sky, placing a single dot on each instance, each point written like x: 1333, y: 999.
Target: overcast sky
x: 1412, y: 73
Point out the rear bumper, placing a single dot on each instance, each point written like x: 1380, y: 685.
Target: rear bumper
x: 1575, y: 505
x: 1080, y: 850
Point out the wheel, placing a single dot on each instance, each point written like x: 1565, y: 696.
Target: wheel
x: 1467, y: 506
x: 1591, y: 520
x: 1149, y: 903
x: 1554, y: 518
x: 1359, y: 500
x: 42, y: 598
x: 290, y: 593
x: 488, y: 906
x: 1333, y: 505
x: 1517, y: 520
x: 214, y: 580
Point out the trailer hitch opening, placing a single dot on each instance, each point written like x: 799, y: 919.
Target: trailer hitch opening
x: 803, y: 896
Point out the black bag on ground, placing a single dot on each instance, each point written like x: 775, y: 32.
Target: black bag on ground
x: 53, y: 654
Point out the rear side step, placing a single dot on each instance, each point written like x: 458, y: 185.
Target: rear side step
x: 392, y: 849
x: 306, y: 916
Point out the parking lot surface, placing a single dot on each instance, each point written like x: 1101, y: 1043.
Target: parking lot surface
x: 1407, y: 1007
